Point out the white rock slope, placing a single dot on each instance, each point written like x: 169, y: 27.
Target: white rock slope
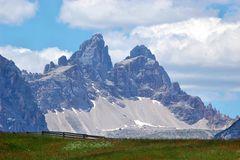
x: 110, y: 116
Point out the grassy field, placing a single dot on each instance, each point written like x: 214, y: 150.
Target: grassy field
x: 25, y: 146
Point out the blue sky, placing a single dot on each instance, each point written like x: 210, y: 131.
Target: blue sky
x: 196, y: 41
x: 43, y: 30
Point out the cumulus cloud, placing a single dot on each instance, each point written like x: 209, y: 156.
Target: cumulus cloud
x: 203, y: 52
x: 32, y: 61
x: 125, y: 13
x: 16, y: 11
x: 203, y: 42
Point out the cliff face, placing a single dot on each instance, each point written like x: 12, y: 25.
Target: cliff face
x: 233, y: 132
x: 18, y: 110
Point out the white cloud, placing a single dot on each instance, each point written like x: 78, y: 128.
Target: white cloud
x: 33, y: 61
x: 125, y: 13
x: 16, y: 11
x: 203, y: 52
x: 206, y: 42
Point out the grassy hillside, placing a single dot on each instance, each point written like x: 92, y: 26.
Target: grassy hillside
x: 26, y: 146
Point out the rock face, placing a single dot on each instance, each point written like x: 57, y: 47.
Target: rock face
x: 61, y: 88
x: 62, y: 61
x: 18, y: 110
x: 70, y: 84
x: 139, y: 74
x: 233, y: 132
x: 49, y: 67
x: 141, y: 51
x: 93, y: 55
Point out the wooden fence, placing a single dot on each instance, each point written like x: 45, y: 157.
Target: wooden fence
x: 71, y: 135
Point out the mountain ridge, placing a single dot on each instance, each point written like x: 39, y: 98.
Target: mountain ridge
x: 71, y: 89
x: 138, y: 75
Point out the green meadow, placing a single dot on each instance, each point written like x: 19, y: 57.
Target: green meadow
x: 29, y: 146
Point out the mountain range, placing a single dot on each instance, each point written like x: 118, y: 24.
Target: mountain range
x: 88, y: 94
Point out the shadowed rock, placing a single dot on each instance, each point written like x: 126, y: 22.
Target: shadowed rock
x: 233, y: 132
x: 18, y: 110
x: 62, y: 61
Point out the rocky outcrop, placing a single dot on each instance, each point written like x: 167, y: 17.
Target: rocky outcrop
x: 93, y: 56
x: 62, y: 61
x: 141, y: 50
x: 28, y: 76
x: 18, y: 110
x: 64, y: 87
x: 233, y: 132
x: 49, y: 67
x: 139, y: 74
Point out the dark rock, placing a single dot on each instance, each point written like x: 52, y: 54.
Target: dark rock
x: 233, y: 132
x: 139, y: 76
x: 62, y: 61
x: 46, y: 68
x: 49, y: 67
x: 18, y: 110
x: 141, y: 50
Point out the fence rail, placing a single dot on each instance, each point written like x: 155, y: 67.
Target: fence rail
x: 71, y: 135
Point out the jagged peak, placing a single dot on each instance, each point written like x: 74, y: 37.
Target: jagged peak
x: 95, y: 40
x: 95, y: 46
x: 3, y: 59
x: 97, y: 36
x: 94, y: 54
x: 62, y: 61
x: 141, y: 50
x: 5, y: 63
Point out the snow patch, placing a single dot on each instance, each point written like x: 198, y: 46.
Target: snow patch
x: 157, y: 102
x: 140, y: 124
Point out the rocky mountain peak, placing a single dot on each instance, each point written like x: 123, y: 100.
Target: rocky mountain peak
x: 8, y: 70
x: 141, y: 50
x: 97, y: 37
x: 62, y: 61
x: 7, y: 64
x: 140, y: 74
x: 93, y: 53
